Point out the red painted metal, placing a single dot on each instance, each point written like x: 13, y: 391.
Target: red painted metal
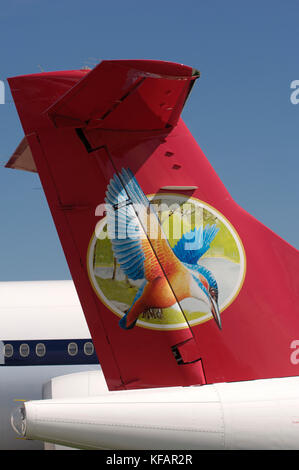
x: 128, y: 116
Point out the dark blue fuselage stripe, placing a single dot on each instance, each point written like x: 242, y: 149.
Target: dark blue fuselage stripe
x: 47, y: 352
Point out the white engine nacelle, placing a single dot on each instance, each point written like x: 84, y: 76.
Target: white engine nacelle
x: 260, y: 414
x: 83, y: 384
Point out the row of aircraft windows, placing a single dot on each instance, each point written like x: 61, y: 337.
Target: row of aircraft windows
x: 40, y: 349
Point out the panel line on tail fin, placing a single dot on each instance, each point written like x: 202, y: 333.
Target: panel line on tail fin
x: 143, y: 198
x: 80, y: 133
x: 135, y: 195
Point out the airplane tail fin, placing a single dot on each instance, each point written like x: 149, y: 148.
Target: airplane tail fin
x: 87, y: 129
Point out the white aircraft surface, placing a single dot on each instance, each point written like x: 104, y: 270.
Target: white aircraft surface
x: 60, y: 377
x: 43, y: 335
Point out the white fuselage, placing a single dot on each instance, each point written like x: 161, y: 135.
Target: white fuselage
x: 47, y: 360
x: 38, y: 322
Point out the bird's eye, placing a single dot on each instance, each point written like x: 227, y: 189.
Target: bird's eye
x: 213, y: 292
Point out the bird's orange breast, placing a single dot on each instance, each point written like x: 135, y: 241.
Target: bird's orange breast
x: 164, y: 292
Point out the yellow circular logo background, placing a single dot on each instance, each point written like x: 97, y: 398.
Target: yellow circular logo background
x: 225, y: 259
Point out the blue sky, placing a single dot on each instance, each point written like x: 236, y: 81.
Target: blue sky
x: 239, y: 111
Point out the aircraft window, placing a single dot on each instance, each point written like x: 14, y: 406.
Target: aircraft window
x: 24, y: 350
x: 8, y: 350
x: 40, y: 349
x: 72, y: 349
x: 88, y: 348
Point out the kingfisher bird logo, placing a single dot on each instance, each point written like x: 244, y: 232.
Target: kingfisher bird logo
x: 165, y: 261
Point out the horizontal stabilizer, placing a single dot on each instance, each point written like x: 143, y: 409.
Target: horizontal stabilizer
x: 22, y: 158
x: 132, y: 95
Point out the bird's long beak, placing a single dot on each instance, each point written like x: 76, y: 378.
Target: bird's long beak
x: 215, y: 312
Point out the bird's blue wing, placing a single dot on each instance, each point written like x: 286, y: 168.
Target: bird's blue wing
x: 132, y: 187
x: 195, y: 243
x: 124, y: 198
